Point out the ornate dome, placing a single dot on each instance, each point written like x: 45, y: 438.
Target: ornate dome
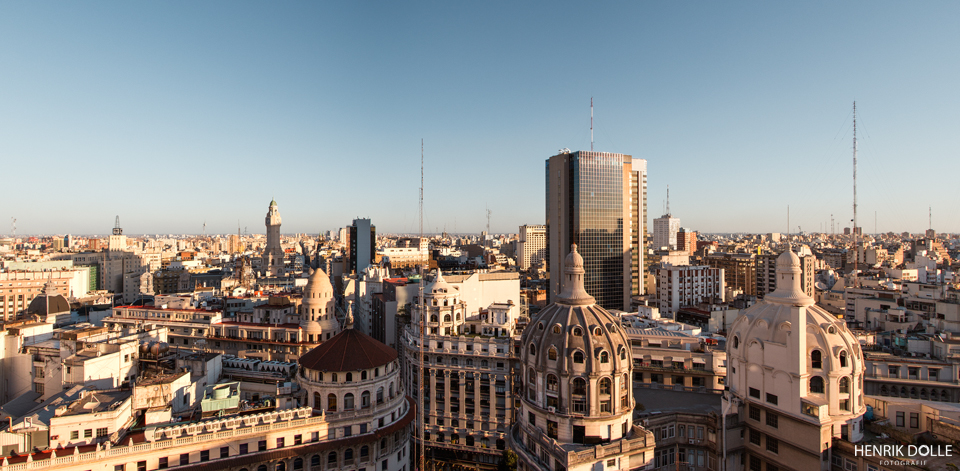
x: 317, y: 311
x: 789, y: 352
x: 440, y: 288
x: 350, y: 350
x: 576, y: 364
x: 49, y: 302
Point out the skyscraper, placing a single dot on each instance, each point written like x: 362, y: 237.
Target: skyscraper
x: 532, y: 246
x: 597, y: 201
x: 363, y: 245
x: 665, y: 230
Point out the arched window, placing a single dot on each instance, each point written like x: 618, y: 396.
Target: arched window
x: 578, y: 356
x: 455, y: 439
x: 552, y: 353
x: 364, y: 453
x: 314, y: 461
x: 540, y: 325
x: 317, y: 401
x: 446, y: 318
x: 440, y: 437
x: 348, y: 401
x: 843, y: 359
x: 332, y: 402
x: 298, y: 463
x: 348, y: 456
x: 332, y: 460
x: 281, y: 466
x: 556, y: 329
x: 434, y: 318
x: 816, y: 384
x: 597, y: 332
x: 365, y: 399
x: 625, y: 381
x: 380, y: 395
x: 553, y: 384
x: 736, y: 342
x: 604, y: 357
x: 262, y: 467
x: 391, y: 390
x: 844, y: 385
x: 533, y: 350
x: 483, y: 363
x: 605, y: 386
x: 623, y: 353
x: 577, y: 332
x: 363, y: 375
x: 579, y: 387
x: 349, y: 377
x: 816, y: 359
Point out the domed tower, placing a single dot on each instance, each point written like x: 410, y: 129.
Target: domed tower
x: 794, y: 371
x: 443, y: 309
x: 273, y: 253
x: 576, y: 371
x: 318, y: 318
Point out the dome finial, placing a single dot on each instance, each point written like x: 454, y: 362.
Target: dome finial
x: 574, y: 292
x: 789, y: 289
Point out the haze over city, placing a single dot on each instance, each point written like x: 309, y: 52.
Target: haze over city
x: 175, y: 114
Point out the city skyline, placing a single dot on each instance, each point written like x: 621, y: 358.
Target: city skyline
x: 173, y: 116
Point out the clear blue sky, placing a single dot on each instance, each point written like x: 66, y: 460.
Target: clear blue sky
x: 174, y: 113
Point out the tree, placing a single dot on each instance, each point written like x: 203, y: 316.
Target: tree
x: 508, y: 461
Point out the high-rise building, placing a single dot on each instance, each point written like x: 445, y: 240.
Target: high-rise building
x: 665, y: 230
x: 362, y: 245
x: 596, y: 200
x: 532, y: 247
x: 682, y: 286
x: 273, y: 253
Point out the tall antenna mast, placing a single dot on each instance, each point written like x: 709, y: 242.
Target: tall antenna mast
x: 668, y: 199
x: 856, y: 250
x: 591, y: 130
x: 931, y: 218
x: 13, y: 226
x: 488, y: 220
x: 421, y: 316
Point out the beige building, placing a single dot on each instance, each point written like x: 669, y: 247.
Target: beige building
x: 532, y: 247
x: 577, y: 402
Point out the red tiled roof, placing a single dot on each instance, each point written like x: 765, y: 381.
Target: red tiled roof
x: 350, y: 350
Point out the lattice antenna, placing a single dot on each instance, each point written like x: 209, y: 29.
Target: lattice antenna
x: 13, y: 227
x: 856, y: 250
x: 668, y: 199
x: 420, y: 316
x: 591, y: 132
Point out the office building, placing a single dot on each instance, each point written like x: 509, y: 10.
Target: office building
x: 595, y: 200
x: 532, y: 249
x: 665, y: 229
x: 362, y: 246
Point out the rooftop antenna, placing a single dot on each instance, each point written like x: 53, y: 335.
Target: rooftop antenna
x: 204, y: 228
x: 116, y: 227
x: 668, y: 200
x: 13, y: 226
x: 591, y: 131
x: 856, y: 253
x: 930, y: 223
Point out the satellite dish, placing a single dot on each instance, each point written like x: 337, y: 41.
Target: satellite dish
x: 821, y: 286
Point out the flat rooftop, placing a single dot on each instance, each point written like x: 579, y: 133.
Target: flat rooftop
x: 664, y: 401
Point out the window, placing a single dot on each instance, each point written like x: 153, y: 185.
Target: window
x: 553, y: 384
x: 297, y: 439
x: 164, y: 463
x: 224, y: 451
x: 816, y: 359
x: 184, y: 459
x: 755, y: 413
x: 755, y: 393
x: 843, y: 359
x: 773, y: 445
x: 578, y: 356
x: 612, y: 463
x: 280, y: 442
x: 88, y: 433
x: 893, y: 371
x: 552, y: 353
x: 755, y: 437
x: 914, y: 420
x: 736, y: 342
x: 900, y: 419
x: 556, y: 328
x: 844, y: 385
x: 204, y: 455
x: 604, y: 357
x: 262, y: 445
x: 773, y: 420
x: 845, y: 404
x: 577, y: 332
x: 75, y: 435
x: 816, y: 384
x: 102, y: 432
x: 348, y: 401
x: 243, y: 449
x: 772, y: 398
x: 141, y: 466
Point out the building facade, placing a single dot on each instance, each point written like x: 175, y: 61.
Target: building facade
x: 532, y: 248
x: 682, y: 286
x: 594, y: 200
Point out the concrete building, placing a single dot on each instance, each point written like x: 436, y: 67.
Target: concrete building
x: 682, y: 286
x: 665, y: 229
x: 19, y: 288
x: 739, y: 270
x: 674, y: 360
x: 795, y: 379
x: 362, y: 245
x: 597, y: 201
x: 273, y: 252
x: 576, y: 411
x: 532, y: 249
x: 466, y: 375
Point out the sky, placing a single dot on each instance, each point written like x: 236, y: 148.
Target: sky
x: 175, y: 114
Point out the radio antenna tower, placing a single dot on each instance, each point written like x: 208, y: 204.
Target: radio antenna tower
x: 420, y: 316
x: 13, y: 226
x: 591, y: 132
x: 488, y: 220
x: 930, y: 223
x: 856, y: 250
x: 668, y: 200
